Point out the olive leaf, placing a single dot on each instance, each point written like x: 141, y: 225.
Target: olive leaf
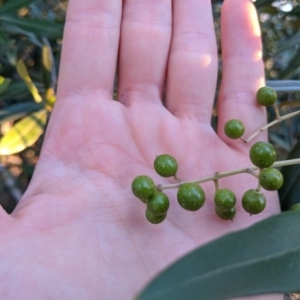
x: 18, y: 111
x: 13, y: 5
x: 51, y: 30
x: 22, y: 70
x: 289, y: 193
x: 47, y: 63
x: 4, y: 84
x: 24, y: 134
x: 264, y: 258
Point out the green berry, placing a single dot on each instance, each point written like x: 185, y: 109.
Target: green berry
x: 190, y: 196
x: 271, y: 179
x: 158, y: 204
x: 234, y: 129
x: 143, y: 187
x: 295, y: 207
x: 254, y: 202
x: 225, y: 214
x: 225, y: 199
x: 266, y: 96
x: 262, y: 154
x: 165, y: 165
x: 155, y: 219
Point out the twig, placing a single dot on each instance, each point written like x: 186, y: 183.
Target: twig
x: 282, y: 118
x: 217, y: 176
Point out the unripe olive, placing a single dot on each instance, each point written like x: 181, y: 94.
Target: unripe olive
x: 266, y: 96
x: 234, y: 129
x: 165, y: 165
x: 143, y: 187
x: 155, y: 219
x: 225, y: 199
x: 190, y: 196
x: 262, y: 154
x: 271, y: 179
x: 254, y: 202
x: 158, y: 203
x: 225, y: 214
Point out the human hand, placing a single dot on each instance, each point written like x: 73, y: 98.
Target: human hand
x: 78, y: 232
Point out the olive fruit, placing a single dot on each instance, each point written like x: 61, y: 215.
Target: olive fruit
x: 143, y: 187
x: 234, y: 129
x: 158, y: 204
x: 165, y: 165
x: 225, y: 214
x: 190, y: 196
x: 254, y: 202
x: 262, y: 154
x: 155, y: 219
x: 271, y: 179
x: 266, y: 96
x: 225, y: 199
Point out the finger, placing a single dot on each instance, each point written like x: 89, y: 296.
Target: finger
x: 243, y: 70
x: 90, y: 46
x: 192, y: 71
x: 145, y: 42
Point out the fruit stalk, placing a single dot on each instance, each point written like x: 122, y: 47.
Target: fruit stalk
x: 280, y: 119
x: 217, y: 176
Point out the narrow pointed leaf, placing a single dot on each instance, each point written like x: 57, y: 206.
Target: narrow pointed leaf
x: 293, y: 65
x: 13, y: 5
x: 24, y: 134
x: 47, y: 66
x: 48, y: 29
x: 4, y: 84
x: 50, y: 97
x: 22, y: 70
x: 18, y: 111
x: 289, y: 193
x: 287, y: 45
x: 264, y: 258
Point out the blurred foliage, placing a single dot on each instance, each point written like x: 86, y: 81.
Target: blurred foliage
x: 30, y: 47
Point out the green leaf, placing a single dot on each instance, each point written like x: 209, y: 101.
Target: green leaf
x: 16, y: 90
x: 293, y: 65
x: 264, y: 258
x: 13, y: 5
x: 289, y: 193
x: 288, y: 44
x: 11, y: 29
x: 50, y: 30
x: 4, y: 84
x: 24, y: 134
x: 22, y: 71
x: 47, y: 66
x: 18, y: 111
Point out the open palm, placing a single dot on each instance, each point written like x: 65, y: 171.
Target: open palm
x: 78, y: 232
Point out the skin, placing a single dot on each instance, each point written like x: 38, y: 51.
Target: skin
x: 78, y: 232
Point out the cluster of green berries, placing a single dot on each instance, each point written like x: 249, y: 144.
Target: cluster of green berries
x: 156, y: 201
x: 262, y: 155
x: 191, y: 196
x: 265, y: 96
